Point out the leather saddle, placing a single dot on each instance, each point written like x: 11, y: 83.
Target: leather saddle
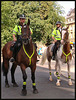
x: 52, y: 47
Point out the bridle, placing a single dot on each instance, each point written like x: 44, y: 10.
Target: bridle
x: 25, y: 40
x: 66, y: 40
x: 25, y: 37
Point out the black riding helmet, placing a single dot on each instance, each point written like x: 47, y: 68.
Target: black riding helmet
x: 22, y: 16
x: 58, y: 22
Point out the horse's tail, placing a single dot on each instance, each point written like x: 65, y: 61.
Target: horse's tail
x: 3, y: 67
x: 44, y: 56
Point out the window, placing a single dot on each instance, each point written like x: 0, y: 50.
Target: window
x: 71, y: 19
x: 68, y: 20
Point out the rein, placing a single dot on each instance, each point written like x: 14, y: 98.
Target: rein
x: 65, y: 41
x: 28, y: 55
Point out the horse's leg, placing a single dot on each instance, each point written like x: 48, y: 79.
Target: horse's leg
x: 24, y: 91
x: 69, y: 75
x: 12, y: 74
x: 33, y: 79
x: 5, y: 71
x: 56, y: 69
x: 58, y: 73
x: 49, y: 63
x: 56, y: 66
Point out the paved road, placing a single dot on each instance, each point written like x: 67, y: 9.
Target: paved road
x: 47, y: 89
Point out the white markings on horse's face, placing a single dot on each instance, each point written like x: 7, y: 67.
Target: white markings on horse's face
x: 63, y: 36
x: 63, y: 33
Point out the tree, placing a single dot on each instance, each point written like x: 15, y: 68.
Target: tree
x: 42, y: 14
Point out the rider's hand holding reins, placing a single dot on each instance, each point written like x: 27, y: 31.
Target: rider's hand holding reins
x: 54, y: 39
x: 62, y: 41
x: 14, y: 38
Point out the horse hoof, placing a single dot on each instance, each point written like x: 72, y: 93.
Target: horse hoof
x: 15, y: 85
x: 24, y: 92
x: 70, y: 83
x: 58, y: 84
x: 35, y: 91
x: 55, y: 74
x: 60, y: 80
x: 50, y: 79
x: 7, y: 85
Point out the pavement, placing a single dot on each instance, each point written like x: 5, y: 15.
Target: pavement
x: 64, y: 70
x: 72, y: 69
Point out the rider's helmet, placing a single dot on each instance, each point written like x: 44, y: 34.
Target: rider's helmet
x: 58, y: 22
x: 22, y: 16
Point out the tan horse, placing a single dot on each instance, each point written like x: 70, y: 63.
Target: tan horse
x: 63, y: 56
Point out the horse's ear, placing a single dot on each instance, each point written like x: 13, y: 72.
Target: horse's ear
x: 28, y: 22
x: 67, y: 27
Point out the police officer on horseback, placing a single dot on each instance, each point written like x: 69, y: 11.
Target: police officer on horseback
x: 16, y: 37
x: 56, y: 36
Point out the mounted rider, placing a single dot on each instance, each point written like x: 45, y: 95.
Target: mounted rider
x: 16, y: 37
x: 56, y: 36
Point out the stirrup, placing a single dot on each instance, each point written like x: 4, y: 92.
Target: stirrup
x: 53, y: 57
x: 12, y: 59
x: 37, y: 60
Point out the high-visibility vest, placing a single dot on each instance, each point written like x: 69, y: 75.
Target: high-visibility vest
x: 56, y: 34
x: 17, y: 30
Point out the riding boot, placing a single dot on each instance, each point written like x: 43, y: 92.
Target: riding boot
x: 53, y: 57
x: 14, y: 53
x: 17, y: 47
x: 54, y: 52
x: 13, y: 57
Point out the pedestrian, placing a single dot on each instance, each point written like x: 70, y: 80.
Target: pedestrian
x: 43, y: 48
x: 56, y: 36
x: 40, y: 51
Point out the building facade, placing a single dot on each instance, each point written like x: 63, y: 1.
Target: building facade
x: 70, y: 21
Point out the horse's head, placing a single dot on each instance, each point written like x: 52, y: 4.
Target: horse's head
x: 26, y: 33
x: 65, y: 35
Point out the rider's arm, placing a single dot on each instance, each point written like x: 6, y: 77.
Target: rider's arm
x: 15, y: 30
x: 14, y: 38
x: 53, y: 36
x: 54, y: 39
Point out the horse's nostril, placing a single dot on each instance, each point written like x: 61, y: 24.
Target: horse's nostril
x: 26, y: 40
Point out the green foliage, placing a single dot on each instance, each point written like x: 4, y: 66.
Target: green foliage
x: 42, y: 14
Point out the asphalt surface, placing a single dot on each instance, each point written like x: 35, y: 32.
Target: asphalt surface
x: 46, y: 88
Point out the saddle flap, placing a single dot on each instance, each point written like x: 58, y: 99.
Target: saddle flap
x: 12, y: 46
x: 52, y: 47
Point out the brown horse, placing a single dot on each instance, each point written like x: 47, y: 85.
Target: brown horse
x: 26, y: 57
x: 63, y: 56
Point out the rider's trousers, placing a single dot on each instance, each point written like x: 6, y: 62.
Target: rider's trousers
x: 56, y: 46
